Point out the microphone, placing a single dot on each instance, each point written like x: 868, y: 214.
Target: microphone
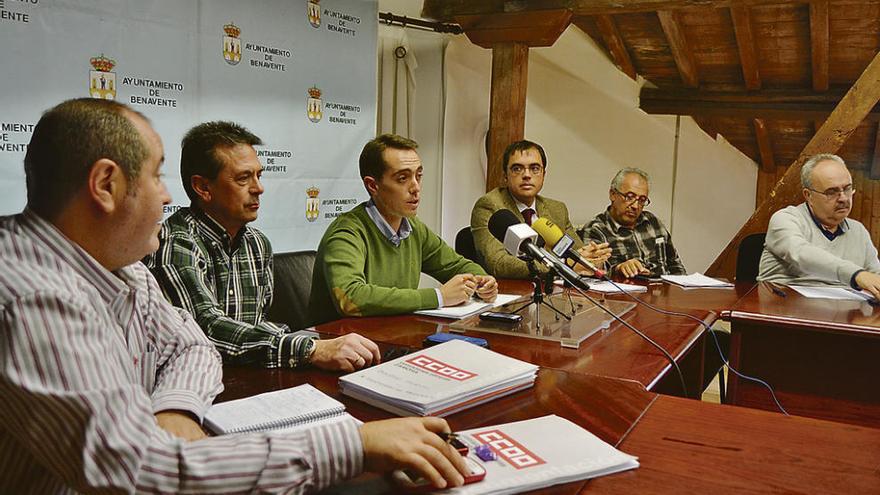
x: 520, y: 240
x: 561, y: 243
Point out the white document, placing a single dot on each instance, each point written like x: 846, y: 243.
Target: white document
x: 290, y: 407
x: 839, y: 293
x: 616, y: 287
x: 540, y: 452
x: 696, y: 280
x: 470, y: 308
x: 439, y: 380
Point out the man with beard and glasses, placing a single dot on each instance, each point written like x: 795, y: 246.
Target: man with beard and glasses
x: 814, y: 243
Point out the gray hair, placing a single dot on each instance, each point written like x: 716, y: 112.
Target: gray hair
x: 810, y: 164
x: 618, y: 178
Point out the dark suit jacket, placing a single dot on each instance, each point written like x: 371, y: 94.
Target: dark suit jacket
x: 496, y: 260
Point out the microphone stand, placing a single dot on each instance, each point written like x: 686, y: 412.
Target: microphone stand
x: 541, y: 287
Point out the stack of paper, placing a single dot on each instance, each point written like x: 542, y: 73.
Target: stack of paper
x: 469, y: 308
x: 613, y: 287
x: 540, y: 452
x: 696, y: 280
x: 840, y: 293
x: 439, y: 380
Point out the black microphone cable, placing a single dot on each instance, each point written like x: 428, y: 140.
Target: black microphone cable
x: 709, y: 330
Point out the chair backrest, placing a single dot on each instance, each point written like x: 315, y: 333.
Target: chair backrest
x: 748, y: 257
x: 293, y: 284
x: 464, y: 244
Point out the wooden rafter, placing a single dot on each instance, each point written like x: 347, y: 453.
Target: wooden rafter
x: 765, y: 146
x: 875, y: 164
x: 681, y: 52
x: 765, y: 104
x: 614, y: 42
x: 745, y: 42
x: 843, y: 121
x: 540, y: 28
x: 446, y: 9
x: 819, y: 43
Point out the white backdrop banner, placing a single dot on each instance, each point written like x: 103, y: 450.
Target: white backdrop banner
x: 301, y: 74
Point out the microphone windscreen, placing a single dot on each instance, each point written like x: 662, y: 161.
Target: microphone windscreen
x: 549, y: 231
x: 500, y: 221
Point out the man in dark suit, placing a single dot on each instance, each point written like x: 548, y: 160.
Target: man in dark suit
x: 525, y: 167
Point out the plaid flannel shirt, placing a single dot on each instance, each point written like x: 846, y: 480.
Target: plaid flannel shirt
x: 227, y: 285
x: 648, y: 241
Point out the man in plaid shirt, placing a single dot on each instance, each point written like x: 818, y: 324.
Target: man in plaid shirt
x: 640, y: 244
x: 211, y: 263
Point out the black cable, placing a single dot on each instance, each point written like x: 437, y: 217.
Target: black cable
x: 714, y: 338
x: 640, y: 334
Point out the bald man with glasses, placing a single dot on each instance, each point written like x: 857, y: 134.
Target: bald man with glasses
x: 814, y: 243
x: 640, y: 243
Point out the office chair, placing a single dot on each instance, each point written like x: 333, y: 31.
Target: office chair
x: 293, y: 284
x: 748, y: 257
x: 464, y: 244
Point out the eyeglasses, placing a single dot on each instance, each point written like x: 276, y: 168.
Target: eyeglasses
x: 534, y: 169
x: 835, y: 192
x: 631, y: 197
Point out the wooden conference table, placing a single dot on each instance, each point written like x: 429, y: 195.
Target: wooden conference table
x: 684, y: 446
x: 821, y: 356
x: 616, y: 352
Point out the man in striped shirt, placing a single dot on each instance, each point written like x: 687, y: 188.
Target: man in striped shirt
x: 104, y: 384
x: 216, y: 266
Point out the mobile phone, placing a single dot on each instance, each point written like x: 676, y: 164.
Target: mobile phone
x: 439, y: 338
x: 458, y: 445
x: 510, y: 318
x: 648, y: 278
x: 414, y: 483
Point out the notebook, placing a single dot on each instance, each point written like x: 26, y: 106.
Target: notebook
x: 469, y: 308
x: 286, y: 408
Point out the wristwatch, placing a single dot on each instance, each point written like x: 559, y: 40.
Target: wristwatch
x: 309, y: 350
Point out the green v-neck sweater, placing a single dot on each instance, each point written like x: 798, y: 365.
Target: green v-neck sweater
x: 359, y: 272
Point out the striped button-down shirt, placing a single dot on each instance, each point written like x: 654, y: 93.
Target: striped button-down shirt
x: 227, y: 286
x: 648, y: 241
x: 87, y: 357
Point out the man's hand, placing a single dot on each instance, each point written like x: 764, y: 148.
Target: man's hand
x: 869, y: 282
x: 347, y: 353
x: 180, y: 424
x: 631, y: 268
x: 487, y: 287
x: 458, y: 289
x: 413, y: 443
x: 597, y: 254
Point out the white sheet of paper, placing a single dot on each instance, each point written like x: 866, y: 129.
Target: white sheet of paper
x: 839, y: 293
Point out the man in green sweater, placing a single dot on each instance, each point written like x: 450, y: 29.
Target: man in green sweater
x: 370, y: 258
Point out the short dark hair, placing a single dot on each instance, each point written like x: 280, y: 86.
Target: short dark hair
x: 69, y: 139
x: 371, y: 162
x: 199, y: 150
x: 522, y: 146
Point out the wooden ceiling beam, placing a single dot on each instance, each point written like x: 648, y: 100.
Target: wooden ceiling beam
x: 745, y: 42
x: 614, y: 42
x: 819, y: 43
x: 539, y: 28
x: 843, y: 121
x: 507, y: 105
x: 765, y: 146
x: 446, y: 10
x: 875, y: 164
x: 681, y: 52
x: 764, y: 104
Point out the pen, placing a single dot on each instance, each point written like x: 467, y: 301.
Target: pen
x: 448, y: 436
x: 779, y: 292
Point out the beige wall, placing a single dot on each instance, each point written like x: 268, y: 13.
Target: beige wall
x: 585, y: 113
